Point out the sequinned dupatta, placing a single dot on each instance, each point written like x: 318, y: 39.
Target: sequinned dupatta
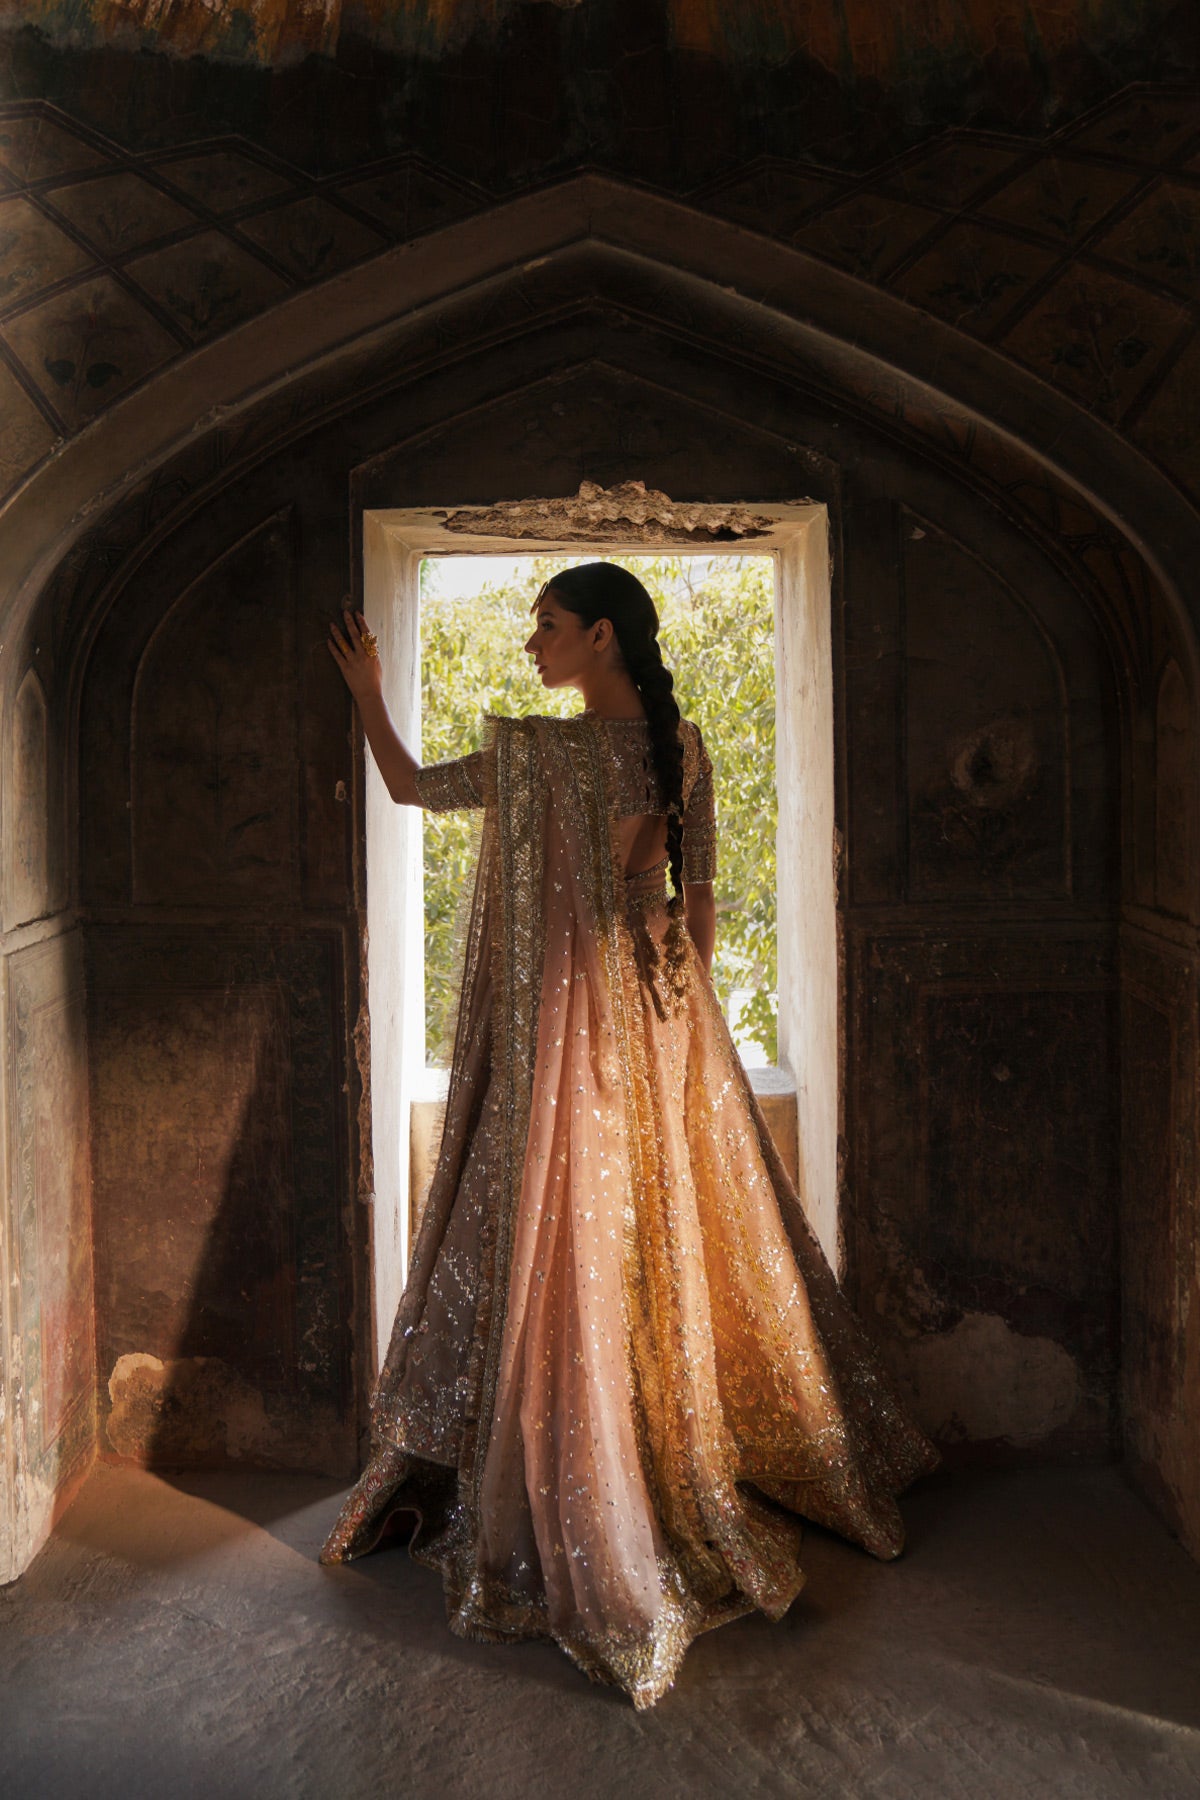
x: 544, y: 790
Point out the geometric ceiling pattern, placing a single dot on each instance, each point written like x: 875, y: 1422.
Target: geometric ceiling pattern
x: 1077, y: 255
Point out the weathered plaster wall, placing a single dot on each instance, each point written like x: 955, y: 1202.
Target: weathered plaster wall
x: 1160, y: 1243
x: 214, y: 869
x: 981, y: 863
x: 47, y: 1358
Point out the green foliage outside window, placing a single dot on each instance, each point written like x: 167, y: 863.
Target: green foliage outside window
x: 717, y: 635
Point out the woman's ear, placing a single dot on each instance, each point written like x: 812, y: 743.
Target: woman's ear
x: 602, y: 634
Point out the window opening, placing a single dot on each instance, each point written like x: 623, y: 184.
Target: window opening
x: 717, y: 630
x: 801, y: 1094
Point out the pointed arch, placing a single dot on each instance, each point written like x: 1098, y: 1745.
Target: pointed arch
x: 577, y: 243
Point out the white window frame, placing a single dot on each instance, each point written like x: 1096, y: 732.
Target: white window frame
x: 395, y: 542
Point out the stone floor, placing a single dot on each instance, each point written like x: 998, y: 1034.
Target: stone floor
x: 177, y: 1638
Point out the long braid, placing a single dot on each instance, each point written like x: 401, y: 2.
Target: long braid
x: 656, y: 685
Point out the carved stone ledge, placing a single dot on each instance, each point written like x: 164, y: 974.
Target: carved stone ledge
x: 626, y: 513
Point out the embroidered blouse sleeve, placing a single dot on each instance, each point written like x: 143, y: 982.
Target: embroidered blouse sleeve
x: 699, y: 813
x: 451, y: 786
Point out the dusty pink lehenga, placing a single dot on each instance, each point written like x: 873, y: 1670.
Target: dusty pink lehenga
x: 621, y: 1372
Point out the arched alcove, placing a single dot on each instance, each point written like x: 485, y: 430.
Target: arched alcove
x: 706, y: 363
x: 212, y: 750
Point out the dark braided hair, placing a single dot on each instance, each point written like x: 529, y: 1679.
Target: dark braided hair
x: 603, y: 590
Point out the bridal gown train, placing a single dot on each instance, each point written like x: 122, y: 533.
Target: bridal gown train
x: 621, y: 1372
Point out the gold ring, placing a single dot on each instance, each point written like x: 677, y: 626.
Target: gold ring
x: 369, y: 643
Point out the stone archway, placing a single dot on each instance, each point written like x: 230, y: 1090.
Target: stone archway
x: 617, y: 310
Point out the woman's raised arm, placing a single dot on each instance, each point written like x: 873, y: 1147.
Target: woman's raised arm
x: 356, y: 656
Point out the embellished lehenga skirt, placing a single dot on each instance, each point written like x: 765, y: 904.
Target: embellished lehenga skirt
x: 622, y: 1373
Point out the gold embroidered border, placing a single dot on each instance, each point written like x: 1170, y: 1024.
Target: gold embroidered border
x: 450, y: 786
x: 518, y: 954
x: 699, y: 814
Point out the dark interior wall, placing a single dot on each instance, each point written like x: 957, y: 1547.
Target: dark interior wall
x: 980, y: 741
x: 1160, y: 1115
x: 216, y: 810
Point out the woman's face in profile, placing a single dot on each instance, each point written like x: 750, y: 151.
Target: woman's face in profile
x: 562, y: 646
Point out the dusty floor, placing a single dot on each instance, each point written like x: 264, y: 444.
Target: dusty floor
x: 1041, y: 1636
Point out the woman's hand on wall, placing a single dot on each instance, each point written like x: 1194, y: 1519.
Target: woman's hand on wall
x: 355, y: 654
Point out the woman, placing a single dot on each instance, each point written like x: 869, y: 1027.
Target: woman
x: 621, y: 1369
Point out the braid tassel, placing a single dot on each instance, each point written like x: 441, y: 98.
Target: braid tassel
x: 656, y: 687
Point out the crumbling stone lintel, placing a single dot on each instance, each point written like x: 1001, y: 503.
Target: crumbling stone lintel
x: 627, y: 513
